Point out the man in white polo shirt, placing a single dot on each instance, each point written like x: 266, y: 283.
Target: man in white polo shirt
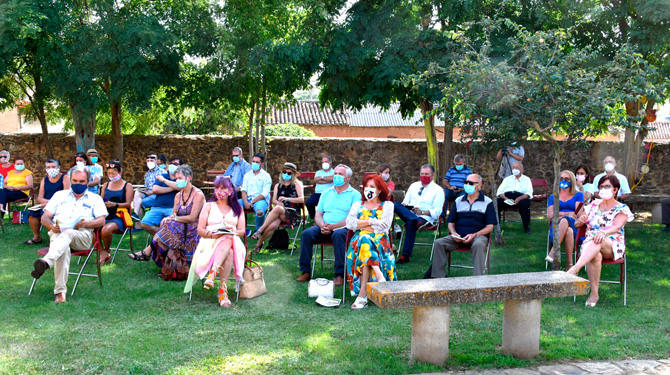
x: 515, y: 192
x: 70, y: 217
x: 610, y: 169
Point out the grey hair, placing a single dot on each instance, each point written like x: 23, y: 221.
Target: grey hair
x: 348, y: 172
x: 5, y: 152
x: 459, y: 158
x: 55, y: 161
x: 77, y: 169
x: 609, y: 157
x: 185, y: 170
x: 330, y: 160
x: 429, y: 166
x: 238, y: 149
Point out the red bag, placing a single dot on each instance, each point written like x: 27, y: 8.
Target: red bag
x: 20, y: 217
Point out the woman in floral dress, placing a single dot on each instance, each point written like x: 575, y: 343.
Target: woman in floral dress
x: 605, y: 219
x: 370, y: 256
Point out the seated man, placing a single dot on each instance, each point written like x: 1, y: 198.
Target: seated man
x: 323, y: 180
x: 422, y: 204
x: 256, y: 187
x: 610, y: 169
x: 164, y: 191
x: 144, y: 197
x: 516, y: 190
x: 454, y: 179
x: 330, y: 219
x: 237, y: 169
x: 471, y: 221
x: 70, y: 217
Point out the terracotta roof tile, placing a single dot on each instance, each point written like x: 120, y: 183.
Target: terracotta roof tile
x: 661, y: 133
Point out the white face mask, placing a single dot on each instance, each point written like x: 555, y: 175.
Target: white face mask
x: 386, y: 176
x: 581, y: 177
x: 151, y: 164
x: 609, y: 167
x: 606, y: 194
x: 81, y: 164
x: 53, y: 172
x: 370, y: 193
x: 325, y: 166
x: 516, y: 172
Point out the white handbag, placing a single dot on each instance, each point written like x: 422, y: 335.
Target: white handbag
x: 321, y: 287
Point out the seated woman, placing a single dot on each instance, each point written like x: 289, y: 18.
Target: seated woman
x: 17, y: 185
x: 117, y: 194
x: 570, y: 202
x: 605, y: 219
x: 173, y: 245
x: 287, y: 199
x: 54, y: 181
x: 384, y: 170
x: 584, y: 182
x: 369, y: 256
x: 219, y: 252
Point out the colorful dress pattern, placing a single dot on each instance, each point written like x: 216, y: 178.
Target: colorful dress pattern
x: 369, y: 249
x: 598, y: 220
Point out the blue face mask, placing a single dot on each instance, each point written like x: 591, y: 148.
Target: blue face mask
x: 162, y: 166
x: 172, y: 168
x: 469, y: 189
x: 180, y: 184
x: 94, y: 159
x: 459, y: 167
x: 236, y: 159
x: 19, y: 167
x: 565, y: 184
x: 255, y: 166
x: 78, y: 188
x: 338, y: 180
x: 286, y: 176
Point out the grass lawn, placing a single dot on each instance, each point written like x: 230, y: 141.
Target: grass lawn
x: 138, y: 324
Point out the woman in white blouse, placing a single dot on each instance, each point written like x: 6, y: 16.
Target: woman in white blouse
x: 370, y: 255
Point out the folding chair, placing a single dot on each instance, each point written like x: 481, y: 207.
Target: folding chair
x: 24, y: 203
x: 298, y: 230
x: 487, y: 263
x: 127, y: 231
x: 306, y: 176
x: 422, y: 227
x: 350, y: 234
x: 86, y: 255
x: 237, y: 282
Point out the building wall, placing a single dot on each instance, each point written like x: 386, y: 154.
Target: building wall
x: 9, y: 121
x: 399, y: 132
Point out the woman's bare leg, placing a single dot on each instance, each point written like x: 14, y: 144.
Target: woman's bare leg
x: 221, y: 252
x: 35, y: 226
x: 365, y: 276
x: 589, y: 251
x: 593, y: 270
x: 274, y: 214
x: 569, y: 245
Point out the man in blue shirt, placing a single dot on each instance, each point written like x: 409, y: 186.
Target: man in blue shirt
x: 471, y: 221
x: 164, y: 190
x: 237, y: 169
x: 330, y: 218
x: 323, y: 180
x: 455, y: 178
x: 255, y: 189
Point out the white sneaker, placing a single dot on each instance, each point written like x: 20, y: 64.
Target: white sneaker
x: 360, y: 303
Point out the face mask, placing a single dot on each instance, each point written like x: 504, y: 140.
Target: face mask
x: 469, y: 189
x: 565, y: 184
x: 459, y: 167
x: 78, y: 188
x: 325, y: 166
x: 386, y: 176
x: 180, y: 184
x: 172, y: 168
x: 236, y: 159
x: 255, y: 166
x: 94, y: 159
x: 53, y: 172
x: 425, y: 179
x: 516, y: 172
x: 115, y: 178
x: 606, y: 194
x: 81, y: 164
x: 609, y: 167
x: 19, y: 167
x: 286, y: 176
x: 151, y: 165
x: 370, y: 193
x: 220, y: 195
x: 162, y: 166
x: 581, y: 177
x: 338, y: 180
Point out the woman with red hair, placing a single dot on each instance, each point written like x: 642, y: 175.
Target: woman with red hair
x: 370, y: 255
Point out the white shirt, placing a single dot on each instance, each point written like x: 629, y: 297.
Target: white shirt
x: 68, y: 210
x: 257, y: 184
x: 623, y: 182
x: 430, y: 198
x: 511, y: 183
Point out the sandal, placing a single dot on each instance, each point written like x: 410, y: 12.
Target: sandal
x: 139, y: 256
x: 32, y: 242
x: 359, y: 303
x: 223, y: 298
x: 209, y: 282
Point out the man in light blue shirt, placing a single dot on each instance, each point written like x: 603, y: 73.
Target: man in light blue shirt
x: 330, y: 219
x: 323, y: 180
x: 238, y: 168
x: 255, y: 189
x: 609, y: 164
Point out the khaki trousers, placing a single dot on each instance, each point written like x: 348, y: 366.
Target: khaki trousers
x: 58, y: 256
x: 445, y: 245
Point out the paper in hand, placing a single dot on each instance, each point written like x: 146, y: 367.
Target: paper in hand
x: 509, y: 202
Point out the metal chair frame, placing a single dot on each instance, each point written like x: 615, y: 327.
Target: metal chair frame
x: 350, y: 234
x: 487, y: 264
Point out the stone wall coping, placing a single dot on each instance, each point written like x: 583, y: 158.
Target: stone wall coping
x: 476, y: 289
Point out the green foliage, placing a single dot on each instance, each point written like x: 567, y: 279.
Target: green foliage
x: 288, y: 130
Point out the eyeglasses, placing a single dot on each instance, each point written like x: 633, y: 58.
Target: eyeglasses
x: 289, y: 173
x: 420, y: 190
x: 175, y: 163
x: 606, y: 186
x: 151, y: 158
x: 470, y: 182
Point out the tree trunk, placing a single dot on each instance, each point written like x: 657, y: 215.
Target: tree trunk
x: 431, y: 139
x: 84, y: 126
x: 263, y: 117
x: 117, y: 150
x: 558, y: 151
x: 489, y: 163
x: 252, y: 111
x: 448, y: 147
x: 633, y: 139
x: 38, y: 109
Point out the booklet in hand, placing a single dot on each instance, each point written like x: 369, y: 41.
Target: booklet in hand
x: 223, y: 231
x: 510, y: 202
x: 36, y: 207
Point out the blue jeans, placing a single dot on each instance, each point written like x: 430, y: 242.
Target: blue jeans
x: 411, y: 225
x: 260, y: 206
x: 450, y: 196
x: 313, y: 235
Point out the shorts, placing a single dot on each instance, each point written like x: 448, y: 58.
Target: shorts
x: 156, y: 215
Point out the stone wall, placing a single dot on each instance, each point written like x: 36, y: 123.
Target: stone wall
x: 362, y: 155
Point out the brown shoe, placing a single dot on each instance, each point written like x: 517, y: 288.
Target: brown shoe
x: 338, y: 280
x: 60, y: 298
x: 304, y: 277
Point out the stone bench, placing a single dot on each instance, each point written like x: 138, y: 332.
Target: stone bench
x: 430, y: 299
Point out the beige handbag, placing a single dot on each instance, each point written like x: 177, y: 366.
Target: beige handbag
x: 253, y: 285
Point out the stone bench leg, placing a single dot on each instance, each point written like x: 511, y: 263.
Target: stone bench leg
x: 521, y: 328
x: 430, y: 335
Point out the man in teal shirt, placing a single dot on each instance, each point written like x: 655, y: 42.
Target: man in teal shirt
x: 330, y: 218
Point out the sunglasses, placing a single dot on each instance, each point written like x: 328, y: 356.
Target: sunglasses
x: 289, y: 173
x: 4, y: 157
x: 470, y: 182
x: 151, y: 158
x: 565, y: 179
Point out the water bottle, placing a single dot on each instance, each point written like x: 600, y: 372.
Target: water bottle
x: 2, y: 182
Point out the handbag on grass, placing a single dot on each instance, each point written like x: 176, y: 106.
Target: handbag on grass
x: 254, y: 284
x: 321, y: 288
